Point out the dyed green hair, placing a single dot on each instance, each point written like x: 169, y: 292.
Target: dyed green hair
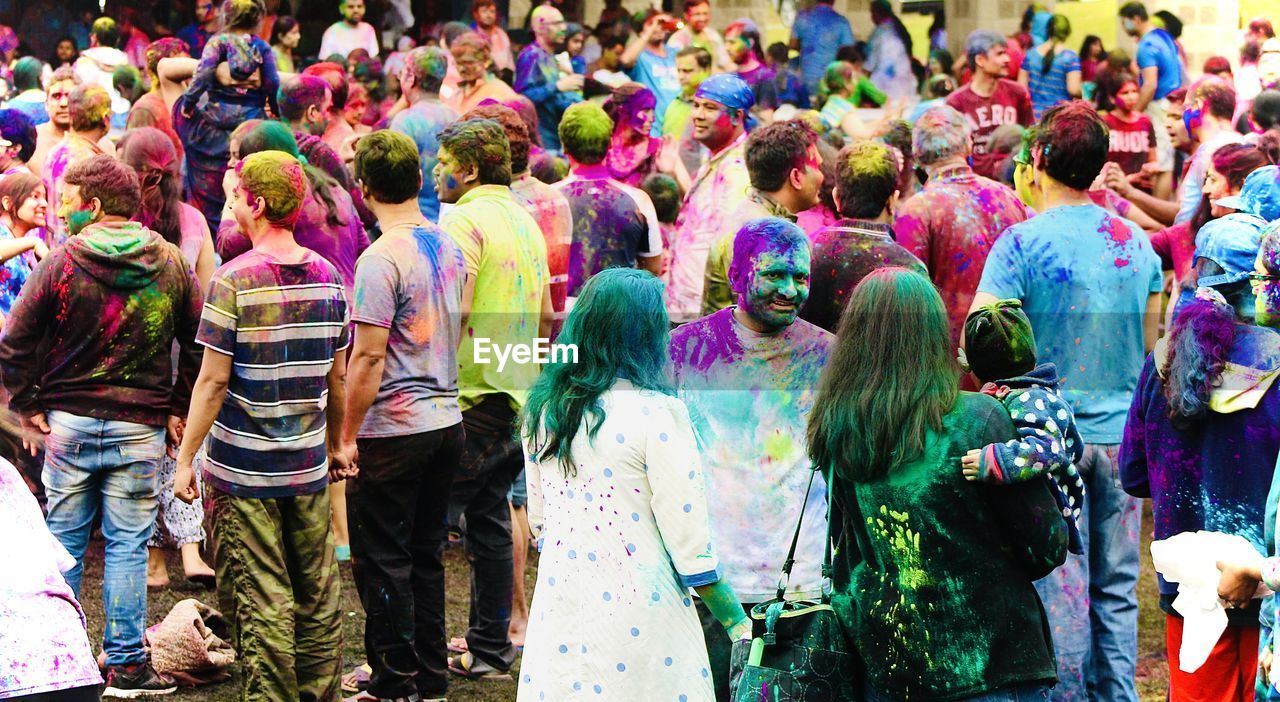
x: 277, y: 178
x: 387, y: 164
x: 585, y: 130
x: 836, y: 79
x: 889, y: 381
x: 620, y: 327
x: 480, y: 143
x: 866, y: 177
x: 428, y: 64
x: 90, y: 108
x: 270, y: 135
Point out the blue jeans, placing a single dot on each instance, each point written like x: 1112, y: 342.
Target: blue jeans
x: 1091, y: 601
x: 1026, y: 692
x: 101, y: 467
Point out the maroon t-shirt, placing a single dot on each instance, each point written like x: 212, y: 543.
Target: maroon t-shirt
x: 1009, y: 104
x: 1131, y: 142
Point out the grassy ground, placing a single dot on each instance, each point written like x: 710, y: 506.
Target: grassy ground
x: 1153, y: 671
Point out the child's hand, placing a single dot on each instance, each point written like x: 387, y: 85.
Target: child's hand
x: 970, y: 464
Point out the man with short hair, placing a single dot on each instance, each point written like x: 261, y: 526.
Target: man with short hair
x: 206, y: 24
x: 785, y: 170
x: 545, y: 202
x: 990, y: 100
x: 1090, y: 284
x: 30, y: 98
x: 476, y: 82
x: 350, y: 33
x: 403, y: 422
x: 271, y: 400
x: 1208, y: 113
x: 337, y: 131
x: 90, y: 110
x: 865, y: 193
x: 97, y: 64
x: 86, y: 359
x: 58, y: 104
x: 651, y: 63
x: 818, y: 33
x: 952, y: 222
x: 426, y: 116
x: 506, y: 301
x: 614, y: 224
x: 697, y: 31
x: 693, y: 65
x: 538, y: 75
x: 1160, y: 72
x: 720, y: 108
x: 484, y: 14
x: 749, y: 374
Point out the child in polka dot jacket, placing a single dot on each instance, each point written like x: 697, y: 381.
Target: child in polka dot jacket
x: 1000, y: 349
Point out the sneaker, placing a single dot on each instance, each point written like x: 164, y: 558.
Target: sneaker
x: 137, y: 680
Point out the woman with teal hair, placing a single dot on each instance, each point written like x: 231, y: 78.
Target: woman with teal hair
x: 617, y: 506
x: 1050, y: 71
x: 939, y: 606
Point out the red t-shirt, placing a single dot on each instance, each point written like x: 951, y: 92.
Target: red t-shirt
x: 1131, y: 142
x: 1009, y: 104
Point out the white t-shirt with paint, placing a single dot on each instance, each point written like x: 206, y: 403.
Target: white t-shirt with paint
x: 342, y: 38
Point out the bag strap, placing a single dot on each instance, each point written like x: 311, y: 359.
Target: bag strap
x: 785, y: 578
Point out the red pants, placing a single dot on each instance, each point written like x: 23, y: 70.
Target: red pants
x: 1227, y: 676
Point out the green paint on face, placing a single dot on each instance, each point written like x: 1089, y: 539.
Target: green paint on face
x: 778, y: 287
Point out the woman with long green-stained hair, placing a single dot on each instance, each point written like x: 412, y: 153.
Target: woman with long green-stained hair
x: 617, y: 505
x: 938, y: 595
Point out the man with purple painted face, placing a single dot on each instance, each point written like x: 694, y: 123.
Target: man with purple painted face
x: 749, y: 374
x: 786, y: 173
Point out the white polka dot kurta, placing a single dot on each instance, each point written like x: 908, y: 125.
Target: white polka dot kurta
x: 621, y: 542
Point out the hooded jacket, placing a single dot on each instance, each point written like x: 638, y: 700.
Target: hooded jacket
x: 96, y: 66
x: 92, y: 332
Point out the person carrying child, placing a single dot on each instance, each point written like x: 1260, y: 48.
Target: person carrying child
x: 1000, y: 349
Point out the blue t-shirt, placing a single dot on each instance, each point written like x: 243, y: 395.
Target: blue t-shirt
x: 1083, y: 276
x: 658, y: 73
x: 821, y: 31
x: 423, y: 122
x: 1049, y: 88
x: 1157, y: 48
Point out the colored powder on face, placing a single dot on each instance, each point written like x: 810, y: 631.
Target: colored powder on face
x: 77, y: 220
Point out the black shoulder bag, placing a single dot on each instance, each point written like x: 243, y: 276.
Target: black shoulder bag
x: 799, y: 652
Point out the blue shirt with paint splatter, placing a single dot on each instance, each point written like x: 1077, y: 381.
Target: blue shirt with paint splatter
x: 1083, y: 276
x: 423, y: 122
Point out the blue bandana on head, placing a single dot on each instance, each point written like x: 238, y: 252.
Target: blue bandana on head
x: 728, y: 90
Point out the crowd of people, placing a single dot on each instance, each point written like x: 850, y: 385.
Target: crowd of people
x: 957, y: 318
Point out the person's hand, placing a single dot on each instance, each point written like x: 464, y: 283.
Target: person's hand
x: 1264, y: 665
x: 34, y: 424
x: 970, y: 464
x: 341, y: 465
x: 229, y: 182
x: 1114, y: 177
x: 667, y: 155
x: 184, y: 482
x: 173, y: 434
x: 223, y: 75
x: 570, y: 83
x: 40, y: 248
x: 1238, y: 583
x: 741, y: 631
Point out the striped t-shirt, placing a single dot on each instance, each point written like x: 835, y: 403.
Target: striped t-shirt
x: 282, y: 324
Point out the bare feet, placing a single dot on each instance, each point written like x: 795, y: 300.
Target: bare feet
x: 194, y: 567
x: 157, y: 571
x: 515, y: 632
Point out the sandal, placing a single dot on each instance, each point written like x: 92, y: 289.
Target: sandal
x: 469, y: 667
x: 358, y: 679
x: 457, y: 645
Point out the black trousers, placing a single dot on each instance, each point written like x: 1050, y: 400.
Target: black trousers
x: 719, y: 648
x: 396, y: 512
x: 490, y: 463
x: 88, y: 693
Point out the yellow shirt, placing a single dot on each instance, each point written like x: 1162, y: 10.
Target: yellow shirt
x: 507, y: 260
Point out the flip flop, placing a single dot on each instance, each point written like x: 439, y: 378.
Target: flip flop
x: 469, y: 667
x: 358, y: 679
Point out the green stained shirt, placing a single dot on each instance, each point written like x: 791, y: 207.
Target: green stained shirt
x: 940, y: 592
x: 717, y: 292
x: 506, y: 258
